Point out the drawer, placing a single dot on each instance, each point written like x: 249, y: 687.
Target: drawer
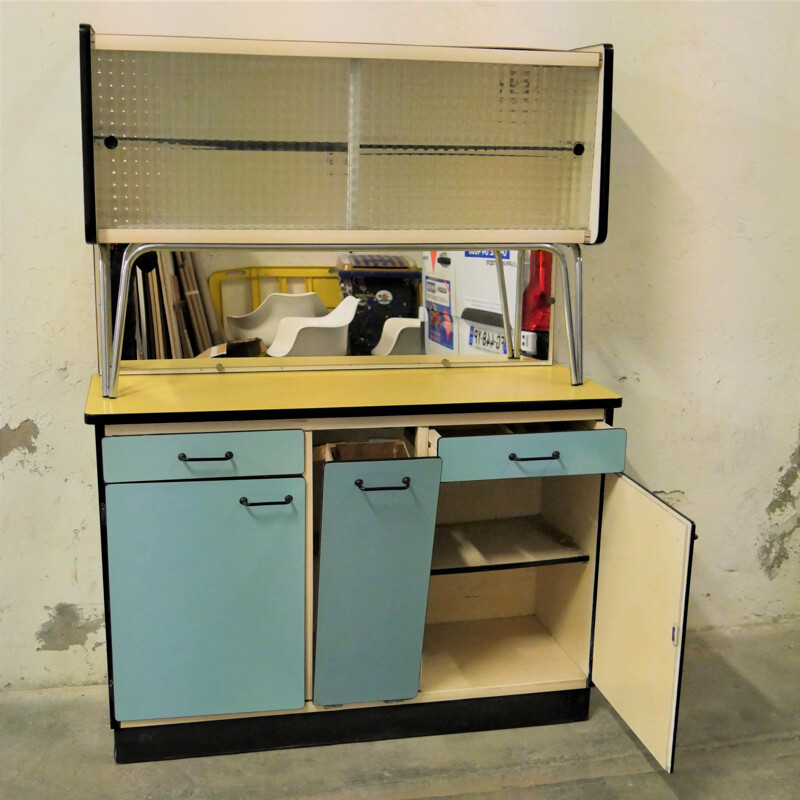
x: 520, y: 455
x: 195, y: 456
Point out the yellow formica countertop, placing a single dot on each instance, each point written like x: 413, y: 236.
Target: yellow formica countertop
x: 216, y: 389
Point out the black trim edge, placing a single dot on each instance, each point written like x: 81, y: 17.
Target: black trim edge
x: 367, y: 411
x: 547, y: 562
x: 684, y: 623
x: 605, y: 152
x: 598, y: 538
x: 85, y: 36
x: 223, y: 737
x: 101, y: 491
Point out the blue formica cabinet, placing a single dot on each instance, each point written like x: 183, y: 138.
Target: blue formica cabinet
x: 263, y: 591
x: 206, y: 578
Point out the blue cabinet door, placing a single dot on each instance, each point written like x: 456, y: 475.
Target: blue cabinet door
x: 206, y: 597
x: 378, y: 519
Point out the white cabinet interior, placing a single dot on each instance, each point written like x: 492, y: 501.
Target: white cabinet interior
x: 504, y: 628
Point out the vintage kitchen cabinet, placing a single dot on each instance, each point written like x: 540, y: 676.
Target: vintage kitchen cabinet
x: 488, y: 580
x: 256, y: 598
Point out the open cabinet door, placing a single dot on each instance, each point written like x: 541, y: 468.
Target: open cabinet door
x: 642, y: 594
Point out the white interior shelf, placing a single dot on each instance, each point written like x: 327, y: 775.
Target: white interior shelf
x: 500, y: 544
x: 512, y: 655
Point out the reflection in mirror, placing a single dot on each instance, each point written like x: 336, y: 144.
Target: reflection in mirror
x: 431, y: 305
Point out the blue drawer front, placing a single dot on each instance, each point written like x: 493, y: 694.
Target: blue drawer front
x: 158, y: 457
x: 207, y: 597
x: 375, y: 562
x: 476, y: 458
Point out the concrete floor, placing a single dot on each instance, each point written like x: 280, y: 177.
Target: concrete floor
x: 739, y: 737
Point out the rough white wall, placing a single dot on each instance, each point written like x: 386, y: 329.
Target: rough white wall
x: 692, y: 305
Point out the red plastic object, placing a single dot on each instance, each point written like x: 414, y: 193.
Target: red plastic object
x: 536, y: 297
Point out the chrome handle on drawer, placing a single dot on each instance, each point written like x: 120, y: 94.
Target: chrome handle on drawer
x: 227, y: 457
x: 406, y: 484
x: 554, y: 457
x: 285, y: 502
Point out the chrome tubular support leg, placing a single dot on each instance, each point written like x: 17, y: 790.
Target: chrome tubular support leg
x: 132, y: 252
x: 103, y: 256
x: 501, y: 283
x: 570, y: 322
x: 522, y: 259
x: 576, y: 252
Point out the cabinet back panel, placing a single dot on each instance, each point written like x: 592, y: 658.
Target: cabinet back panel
x: 465, y: 501
x: 481, y: 595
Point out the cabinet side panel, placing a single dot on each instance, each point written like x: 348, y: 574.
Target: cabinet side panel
x: 565, y: 593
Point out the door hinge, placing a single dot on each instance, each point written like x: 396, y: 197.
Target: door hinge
x: 675, y: 635
x: 102, y: 513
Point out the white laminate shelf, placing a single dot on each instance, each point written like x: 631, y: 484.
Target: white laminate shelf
x: 493, y: 657
x: 501, y: 544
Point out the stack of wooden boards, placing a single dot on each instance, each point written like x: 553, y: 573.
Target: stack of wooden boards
x: 175, y: 318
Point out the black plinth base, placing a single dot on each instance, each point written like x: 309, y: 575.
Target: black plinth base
x: 190, y: 739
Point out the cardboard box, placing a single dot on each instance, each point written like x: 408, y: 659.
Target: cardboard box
x: 367, y: 451
x: 350, y: 451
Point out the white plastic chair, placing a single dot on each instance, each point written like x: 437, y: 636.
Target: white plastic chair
x: 315, y: 336
x: 401, y: 336
x: 263, y: 322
